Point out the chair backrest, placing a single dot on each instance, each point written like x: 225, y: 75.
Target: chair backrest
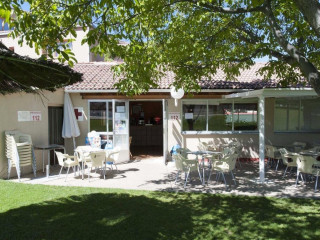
x: 271, y: 151
x: 60, y: 157
x: 113, y: 156
x: 229, y: 162
x: 305, y: 164
x: 25, y: 138
x: 97, y: 158
x: 15, y: 151
x: 181, y: 165
x: 228, y: 150
x: 183, y: 152
x: 298, y: 146
x: 203, y: 146
x: 178, y: 162
x: 283, y: 152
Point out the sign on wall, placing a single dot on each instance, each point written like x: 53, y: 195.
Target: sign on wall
x: 174, y: 116
x: 29, y: 116
x: 78, y: 112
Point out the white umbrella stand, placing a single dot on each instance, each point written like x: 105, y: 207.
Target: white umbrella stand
x: 70, y: 128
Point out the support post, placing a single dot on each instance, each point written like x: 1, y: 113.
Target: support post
x: 261, y: 138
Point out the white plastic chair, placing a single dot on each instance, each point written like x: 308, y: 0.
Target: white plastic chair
x: 289, y: 159
x: 67, y: 161
x: 186, y: 166
x: 225, y: 165
x: 272, y: 154
x: 305, y: 164
x: 112, y: 159
x: 96, y: 160
x: 19, y: 152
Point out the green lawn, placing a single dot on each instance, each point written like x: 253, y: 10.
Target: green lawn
x: 50, y: 212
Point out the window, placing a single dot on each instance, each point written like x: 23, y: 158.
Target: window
x: 101, y: 121
x: 62, y: 46
x: 297, y: 114
x: 219, y: 115
x: 194, y: 116
x: 245, y: 116
x: 101, y: 116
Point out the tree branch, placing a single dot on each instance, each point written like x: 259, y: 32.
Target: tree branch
x: 306, y: 67
x: 214, y: 8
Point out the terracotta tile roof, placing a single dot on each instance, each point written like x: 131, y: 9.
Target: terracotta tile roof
x: 98, y: 76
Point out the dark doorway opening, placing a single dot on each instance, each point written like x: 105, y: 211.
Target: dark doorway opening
x: 55, y: 118
x: 146, y: 129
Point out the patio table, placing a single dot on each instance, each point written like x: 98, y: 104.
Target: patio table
x: 48, y: 148
x: 310, y: 153
x: 202, y: 154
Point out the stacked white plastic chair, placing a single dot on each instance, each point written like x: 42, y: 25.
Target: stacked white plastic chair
x: 19, y: 152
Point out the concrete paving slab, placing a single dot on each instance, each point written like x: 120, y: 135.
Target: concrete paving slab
x: 153, y: 175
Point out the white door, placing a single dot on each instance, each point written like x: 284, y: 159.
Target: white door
x: 121, y: 128
x: 165, y: 129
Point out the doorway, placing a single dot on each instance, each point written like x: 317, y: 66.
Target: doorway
x: 55, y: 122
x: 146, y: 128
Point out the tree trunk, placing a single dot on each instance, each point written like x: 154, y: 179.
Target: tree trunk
x: 311, y: 12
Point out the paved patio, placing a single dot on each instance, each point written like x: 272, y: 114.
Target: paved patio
x: 152, y: 174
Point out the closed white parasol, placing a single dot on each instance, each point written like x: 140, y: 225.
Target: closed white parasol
x: 70, y: 128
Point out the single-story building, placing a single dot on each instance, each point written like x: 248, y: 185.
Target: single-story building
x: 250, y: 110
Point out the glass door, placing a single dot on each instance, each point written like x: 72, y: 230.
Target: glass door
x: 121, y: 128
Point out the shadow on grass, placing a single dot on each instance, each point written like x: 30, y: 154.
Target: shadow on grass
x: 162, y: 215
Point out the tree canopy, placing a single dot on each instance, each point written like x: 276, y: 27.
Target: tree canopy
x: 192, y: 38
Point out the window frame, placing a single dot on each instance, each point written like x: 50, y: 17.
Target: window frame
x: 206, y: 132
x: 107, y: 119
x: 288, y: 120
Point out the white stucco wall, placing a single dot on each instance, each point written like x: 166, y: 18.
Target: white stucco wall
x: 81, y: 52
x: 9, y: 105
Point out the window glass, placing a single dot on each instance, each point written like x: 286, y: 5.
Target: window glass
x: 194, y: 116
x: 110, y: 118
x: 245, y: 116
x: 297, y: 114
x: 293, y: 115
x: 220, y: 116
x: 310, y: 114
x: 280, y: 115
x: 98, y: 117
